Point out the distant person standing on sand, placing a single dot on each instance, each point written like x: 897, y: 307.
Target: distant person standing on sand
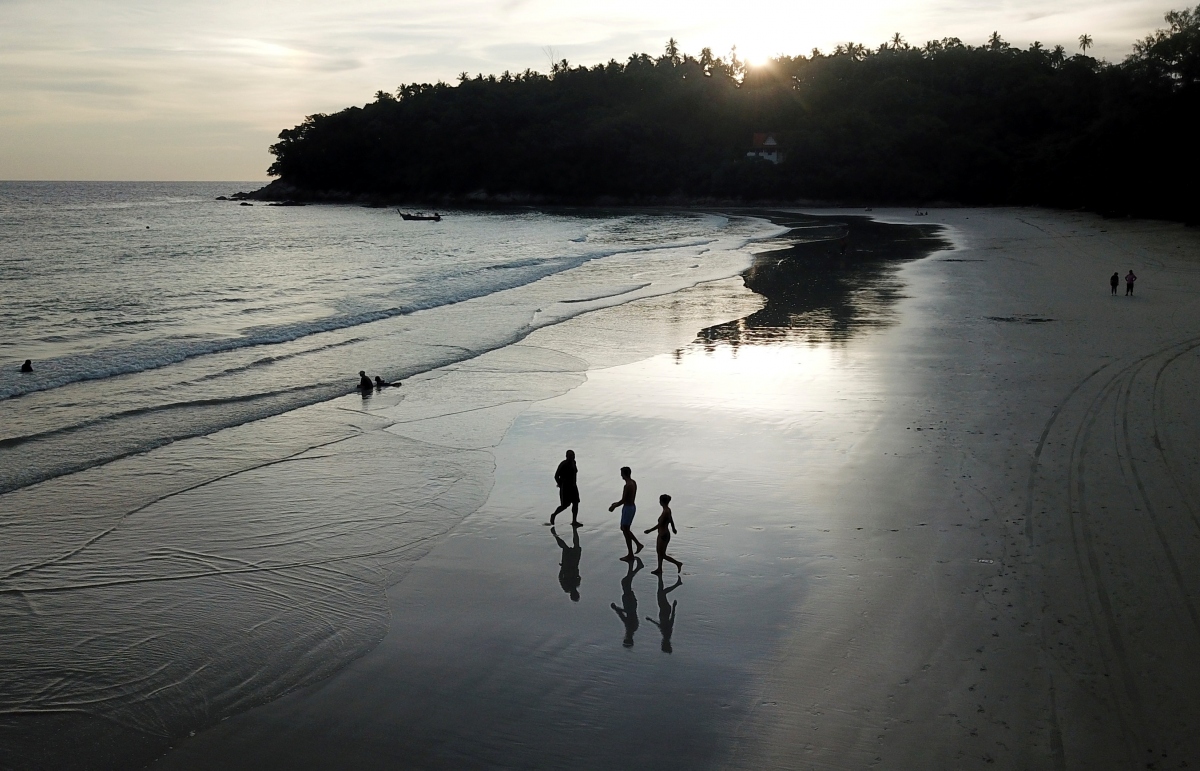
x: 1114, y: 281
x: 27, y: 366
x: 1129, y: 279
x: 628, y: 509
x: 568, y: 490
x: 665, y: 521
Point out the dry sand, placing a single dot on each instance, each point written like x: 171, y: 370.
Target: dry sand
x: 965, y: 539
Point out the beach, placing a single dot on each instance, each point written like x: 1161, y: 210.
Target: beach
x: 935, y: 500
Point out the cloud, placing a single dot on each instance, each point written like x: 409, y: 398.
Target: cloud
x: 93, y: 68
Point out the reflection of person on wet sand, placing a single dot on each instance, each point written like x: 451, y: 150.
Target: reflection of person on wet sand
x: 665, y: 521
x: 628, y: 613
x: 568, y: 489
x: 628, y: 509
x: 568, y: 569
x: 666, y: 612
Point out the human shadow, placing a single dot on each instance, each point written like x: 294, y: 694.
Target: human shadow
x: 568, y: 568
x: 629, y: 612
x: 666, y: 612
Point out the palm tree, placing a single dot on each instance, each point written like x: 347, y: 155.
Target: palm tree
x: 897, y: 42
x: 1085, y: 42
x: 1058, y: 55
x: 995, y: 42
x: 672, y: 52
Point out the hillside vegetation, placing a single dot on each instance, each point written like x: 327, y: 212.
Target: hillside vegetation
x: 943, y: 121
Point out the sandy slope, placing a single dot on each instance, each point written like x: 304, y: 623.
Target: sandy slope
x: 1030, y: 599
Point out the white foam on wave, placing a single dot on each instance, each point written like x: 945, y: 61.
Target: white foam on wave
x: 75, y: 426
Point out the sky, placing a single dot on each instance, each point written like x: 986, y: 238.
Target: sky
x: 199, y: 89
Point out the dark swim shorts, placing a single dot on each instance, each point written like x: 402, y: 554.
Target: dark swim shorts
x: 568, y: 494
x: 627, y: 512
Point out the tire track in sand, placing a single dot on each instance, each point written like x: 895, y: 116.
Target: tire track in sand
x: 1110, y: 644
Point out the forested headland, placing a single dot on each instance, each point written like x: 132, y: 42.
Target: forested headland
x: 915, y: 124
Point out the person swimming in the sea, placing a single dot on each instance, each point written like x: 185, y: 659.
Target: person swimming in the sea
x: 364, y: 382
x: 27, y: 366
x: 381, y: 383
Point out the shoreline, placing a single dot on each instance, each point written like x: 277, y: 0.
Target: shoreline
x: 865, y: 543
x: 872, y: 575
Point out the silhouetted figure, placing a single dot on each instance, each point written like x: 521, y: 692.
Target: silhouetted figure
x: 1114, y: 281
x: 628, y: 509
x: 381, y: 384
x: 27, y: 366
x: 568, y: 569
x: 364, y: 382
x: 666, y: 612
x: 1129, y: 279
x: 665, y: 526
x: 628, y: 613
x: 568, y: 489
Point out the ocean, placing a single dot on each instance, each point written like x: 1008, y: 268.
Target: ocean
x: 198, y: 511
x: 153, y: 312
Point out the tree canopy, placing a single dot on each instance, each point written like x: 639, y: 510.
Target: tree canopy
x: 943, y: 121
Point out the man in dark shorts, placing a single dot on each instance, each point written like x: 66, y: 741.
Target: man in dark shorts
x: 628, y: 509
x: 1129, y: 279
x: 568, y: 490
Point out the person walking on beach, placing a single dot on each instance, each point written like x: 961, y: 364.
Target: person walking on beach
x: 665, y: 521
x: 568, y: 569
x: 1114, y: 281
x: 1129, y: 279
x: 628, y: 613
x: 628, y: 509
x: 568, y: 489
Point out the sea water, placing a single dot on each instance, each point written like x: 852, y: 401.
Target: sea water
x: 153, y: 312
x: 196, y: 517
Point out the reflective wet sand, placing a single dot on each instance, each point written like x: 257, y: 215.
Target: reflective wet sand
x: 958, y: 531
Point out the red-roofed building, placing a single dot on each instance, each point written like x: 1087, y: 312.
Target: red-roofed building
x: 765, y: 146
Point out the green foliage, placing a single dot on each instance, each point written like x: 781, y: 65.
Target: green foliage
x: 989, y: 124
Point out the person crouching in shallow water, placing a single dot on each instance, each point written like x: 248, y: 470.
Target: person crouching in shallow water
x: 1114, y: 281
x: 628, y: 509
x: 665, y: 521
x: 364, y: 382
x: 27, y: 366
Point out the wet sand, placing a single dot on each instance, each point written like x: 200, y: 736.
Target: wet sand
x: 962, y: 533
x: 948, y: 521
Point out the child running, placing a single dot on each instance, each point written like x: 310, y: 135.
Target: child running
x: 665, y: 526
